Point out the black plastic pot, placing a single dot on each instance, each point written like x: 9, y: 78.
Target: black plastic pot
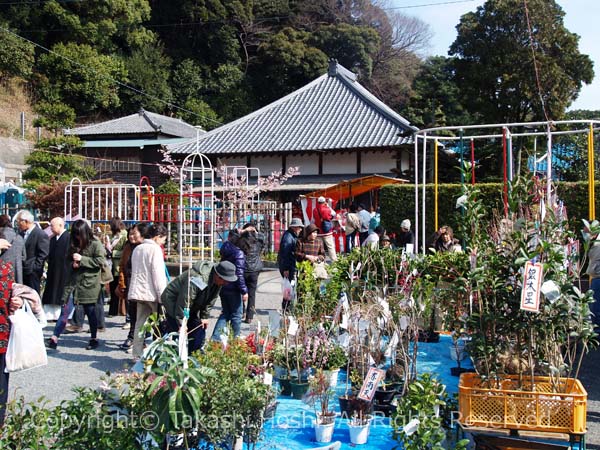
x: 385, y: 409
x: 349, y: 405
x: 456, y: 371
x: 429, y: 336
x: 384, y: 396
x: 298, y: 388
x: 284, y: 385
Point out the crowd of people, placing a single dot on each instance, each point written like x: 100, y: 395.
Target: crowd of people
x: 71, y: 273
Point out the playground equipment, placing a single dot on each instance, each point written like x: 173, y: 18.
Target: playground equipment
x: 12, y: 198
x: 100, y: 202
x: 506, y: 132
x: 196, y: 218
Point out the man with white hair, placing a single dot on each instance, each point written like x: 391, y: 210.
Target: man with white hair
x: 37, y: 246
x: 57, y: 269
x: 405, y: 240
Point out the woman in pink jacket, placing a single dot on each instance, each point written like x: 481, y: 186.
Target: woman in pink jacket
x: 148, y: 280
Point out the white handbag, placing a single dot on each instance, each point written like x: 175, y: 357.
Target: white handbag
x: 26, y: 349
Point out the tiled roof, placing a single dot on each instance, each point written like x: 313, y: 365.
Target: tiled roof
x: 333, y: 112
x: 142, y: 122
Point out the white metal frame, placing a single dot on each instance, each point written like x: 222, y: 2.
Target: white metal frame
x: 523, y: 128
x: 196, y: 218
x: 101, y: 202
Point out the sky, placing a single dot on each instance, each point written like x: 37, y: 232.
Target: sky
x: 581, y: 17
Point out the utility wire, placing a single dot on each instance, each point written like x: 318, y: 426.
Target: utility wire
x: 126, y: 86
x: 535, y: 63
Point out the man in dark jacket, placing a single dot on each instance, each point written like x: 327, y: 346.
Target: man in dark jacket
x: 252, y: 243
x: 286, y: 258
x: 37, y: 246
x: 57, y: 268
x: 233, y: 295
x: 197, y: 289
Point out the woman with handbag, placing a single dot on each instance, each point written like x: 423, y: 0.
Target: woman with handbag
x: 310, y: 248
x: 85, y: 260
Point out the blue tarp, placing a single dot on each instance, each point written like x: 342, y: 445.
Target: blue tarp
x: 292, y: 429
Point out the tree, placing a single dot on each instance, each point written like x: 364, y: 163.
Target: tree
x: 53, y: 161
x: 436, y: 99
x: 16, y: 55
x: 82, y: 78
x: 54, y: 116
x: 149, y: 71
x: 287, y: 63
x: 495, y: 67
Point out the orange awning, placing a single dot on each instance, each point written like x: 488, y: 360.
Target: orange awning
x: 354, y: 188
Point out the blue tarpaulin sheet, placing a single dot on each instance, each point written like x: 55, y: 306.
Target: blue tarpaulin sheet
x: 292, y: 426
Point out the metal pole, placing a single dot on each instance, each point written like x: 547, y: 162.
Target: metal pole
x: 549, y: 166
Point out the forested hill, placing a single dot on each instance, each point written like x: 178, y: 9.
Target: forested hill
x: 217, y: 60
x: 211, y: 61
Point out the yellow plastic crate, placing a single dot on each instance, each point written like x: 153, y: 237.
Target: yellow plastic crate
x: 537, y: 409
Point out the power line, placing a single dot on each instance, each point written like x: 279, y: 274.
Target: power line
x: 126, y: 86
x: 428, y: 4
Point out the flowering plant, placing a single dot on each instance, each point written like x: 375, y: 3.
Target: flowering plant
x: 320, y: 391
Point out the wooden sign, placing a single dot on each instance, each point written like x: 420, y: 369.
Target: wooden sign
x: 367, y: 391
x: 532, y: 282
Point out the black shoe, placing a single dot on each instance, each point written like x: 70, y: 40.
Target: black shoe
x: 93, y: 344
x: 127, y: 344
x: 51, y: 344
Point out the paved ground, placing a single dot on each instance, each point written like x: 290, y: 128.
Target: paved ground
x: 72, y: 365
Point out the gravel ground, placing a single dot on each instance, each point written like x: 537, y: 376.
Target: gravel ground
x: 71, y: 365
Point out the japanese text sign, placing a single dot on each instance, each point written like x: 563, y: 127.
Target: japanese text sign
x: 532, y: 281
x: 367, y: 391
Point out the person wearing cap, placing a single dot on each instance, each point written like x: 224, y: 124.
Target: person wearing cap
x: 234, y: 295
x: 310, y: 248
x: 405, y: 237
x: 286, y: 258
x: 386, y: 242
x: 197, y: 288
x: 323, y: 216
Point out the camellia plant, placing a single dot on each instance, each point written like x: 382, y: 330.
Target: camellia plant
x: 506, y: 339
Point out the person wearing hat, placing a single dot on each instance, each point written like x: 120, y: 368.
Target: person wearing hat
x: 234, y: 295
x: 323, y: 216
x: 286, y: 258
x: 310, y: 248
x: 386, y: 242
x: 405, y: 237
x: 197, y: 288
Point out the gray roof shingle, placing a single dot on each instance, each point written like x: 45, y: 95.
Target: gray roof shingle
x: 142, y: 122
x: 333, y: 112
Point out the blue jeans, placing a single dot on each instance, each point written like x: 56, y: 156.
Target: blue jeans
x: 196, y: 333
x: 350, y: 241
x: 231, y: 312
x: 65, y: 312
x: 595, y: 305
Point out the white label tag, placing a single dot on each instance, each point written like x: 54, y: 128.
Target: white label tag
x: 199, y: 283
x: 293, y: 327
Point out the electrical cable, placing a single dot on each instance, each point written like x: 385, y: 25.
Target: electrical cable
x: 126, y: 86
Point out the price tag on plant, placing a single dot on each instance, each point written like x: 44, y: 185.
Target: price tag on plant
x: 293, y: 327
x: 367, y: 391
x: 532, y: 281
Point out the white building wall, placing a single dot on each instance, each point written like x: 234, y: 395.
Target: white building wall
x: 235, y: 161
x: 339, y: 163
x: 266, y: 164
x: 307, y: 164
x: 377, y: 162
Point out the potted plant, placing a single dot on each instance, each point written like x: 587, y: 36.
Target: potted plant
x: 418, y: 422
x: 331, y: 357
x: 538, y: 388
x: 320, y: 392
x: 360, y: 422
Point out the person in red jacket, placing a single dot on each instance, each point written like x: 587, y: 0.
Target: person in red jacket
x: 323, y: 217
